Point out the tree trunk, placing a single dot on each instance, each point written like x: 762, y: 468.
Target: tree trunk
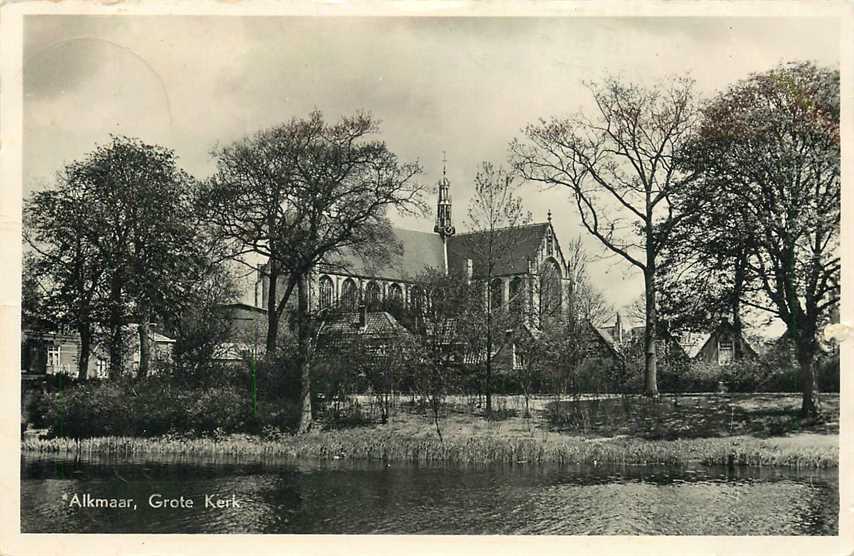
x: 807, y: 350
x: 738, y: 289
x: 85, y: 332
x: 272, y: 314
x: 116, y: 351
x: 488, y: 383
x: 304, y: 347
x: 116, y: 336
x: 650, y: 387
x: 144, y: 345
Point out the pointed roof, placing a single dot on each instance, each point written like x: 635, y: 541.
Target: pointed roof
x: 522, y: 242
x: 377, y: 323
x: 419, y: 251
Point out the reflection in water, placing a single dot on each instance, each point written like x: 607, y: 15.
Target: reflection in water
x: 339, y: 497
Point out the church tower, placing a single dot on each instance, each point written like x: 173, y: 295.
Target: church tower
x: 444, y: 227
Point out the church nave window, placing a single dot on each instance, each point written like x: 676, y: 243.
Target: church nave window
x: 326, y: 292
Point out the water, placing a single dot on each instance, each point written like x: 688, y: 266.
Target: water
x: 343, y: 497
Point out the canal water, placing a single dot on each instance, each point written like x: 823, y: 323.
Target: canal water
x: 345, y: 497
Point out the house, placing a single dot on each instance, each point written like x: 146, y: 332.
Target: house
x: 596, y: 344
x: 47, y: 349
x: 630, y: 340
x: 722, y: 346
x: 246, y: 333
x: 378, y: 330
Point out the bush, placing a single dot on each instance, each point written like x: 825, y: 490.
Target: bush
x: 225, y: 409
x: 155, y: 407
x: 828, y: 373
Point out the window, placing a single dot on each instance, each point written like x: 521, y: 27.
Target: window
x: 54, y: 357
x: 496, y: 294
x: 550, y: 292
x: 326, y: 292
x: 416, y: 299
x: 395, y: 293
x: 373, y: 296
x: 101, y: 368
x: 517, y: 299
x: 725, y: 352
x: 349, y: 295
x: 550, y: 243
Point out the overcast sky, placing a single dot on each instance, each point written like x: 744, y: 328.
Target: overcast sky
x: 462, y: 85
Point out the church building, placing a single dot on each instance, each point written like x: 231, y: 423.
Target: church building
x: 531, y: 277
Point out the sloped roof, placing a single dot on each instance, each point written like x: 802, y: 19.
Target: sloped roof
x: 248, y: 307
x: 695, y: 343
x: 419, y: 250
x: 378, y: 323
x: 724, y: 326
x: 522, y: 243
x: 153, y: 336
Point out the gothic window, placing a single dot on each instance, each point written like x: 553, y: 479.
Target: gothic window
x: 395, y: 293
x: 326, y: 292
x: 373, y: 296
x: 496, y: 293
x: 517, y: 299
x: 349, y: 295
x: 416, y: 299
x: 550, y: 291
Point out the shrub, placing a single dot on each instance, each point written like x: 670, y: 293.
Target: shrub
x: 157, y: 406
x: 828, y: 373
x: 223, y: 408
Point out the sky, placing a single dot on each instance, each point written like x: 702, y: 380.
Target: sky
x: 463, y: 86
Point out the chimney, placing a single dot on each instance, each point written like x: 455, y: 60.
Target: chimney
x: 469, y: 270
x: 363, y: 316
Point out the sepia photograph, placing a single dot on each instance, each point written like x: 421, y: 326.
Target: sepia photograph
x: 420, y: 274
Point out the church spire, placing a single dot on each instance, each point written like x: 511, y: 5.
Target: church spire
x: 444, y: 226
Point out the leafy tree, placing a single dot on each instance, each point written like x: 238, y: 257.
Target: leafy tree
x: 64, y: 262
x: 200, y: 329
x: 118, y: 236
x: 300, y: 193
x: 768, y: 153
x: 621, y: 167
x: 495, y: 214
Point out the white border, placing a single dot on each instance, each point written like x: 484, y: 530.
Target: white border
x: 13, y: 543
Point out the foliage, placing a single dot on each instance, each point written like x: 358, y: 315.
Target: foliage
x: 767, y: 155
x: 201, y: 328
x: 118, y: 240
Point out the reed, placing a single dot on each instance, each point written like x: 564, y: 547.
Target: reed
x: 378, y: 445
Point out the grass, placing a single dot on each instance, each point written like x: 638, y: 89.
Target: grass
x: 707, y: 428
x: 692, y: 416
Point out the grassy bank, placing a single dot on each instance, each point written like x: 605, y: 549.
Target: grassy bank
x: 714, y: 439
x: 819, y: 452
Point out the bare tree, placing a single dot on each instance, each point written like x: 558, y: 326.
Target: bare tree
x: 495, y: 214
x: 620, y: 166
